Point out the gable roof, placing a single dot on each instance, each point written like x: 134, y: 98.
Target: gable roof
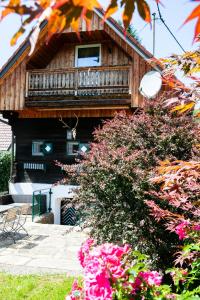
x: 5, y: 135
x: 118, y: 29
x: 128, y: 38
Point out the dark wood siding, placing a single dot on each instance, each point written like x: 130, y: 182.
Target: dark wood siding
x: 51, y: 130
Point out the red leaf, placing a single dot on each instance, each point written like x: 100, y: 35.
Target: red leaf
x: 194, y: 14
x: 197, y: 31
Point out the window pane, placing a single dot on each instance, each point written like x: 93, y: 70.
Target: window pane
x: 88, y: 57
x: 72, y: 148
x: 37, y: 148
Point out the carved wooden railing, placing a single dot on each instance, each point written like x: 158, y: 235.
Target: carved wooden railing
x: 80, y: 82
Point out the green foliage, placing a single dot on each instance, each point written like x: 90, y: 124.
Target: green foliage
x: 34, y: 287
x: 115, y: 178
x: 5, y: 161
x: 124, y: 274
x: 132, y: 31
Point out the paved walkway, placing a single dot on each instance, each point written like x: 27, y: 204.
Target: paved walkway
x: 48, y: 249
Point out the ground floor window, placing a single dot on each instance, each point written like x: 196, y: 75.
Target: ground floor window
x: 37, y: 148
x: 75, y: 148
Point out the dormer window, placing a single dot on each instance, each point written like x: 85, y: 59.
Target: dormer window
x: 88, y: 56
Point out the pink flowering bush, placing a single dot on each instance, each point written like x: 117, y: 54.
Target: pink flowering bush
x: 181, y: 230
x: 113, y: 272
x: 114, y: 178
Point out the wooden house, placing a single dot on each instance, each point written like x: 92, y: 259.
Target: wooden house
x: 55, y: 98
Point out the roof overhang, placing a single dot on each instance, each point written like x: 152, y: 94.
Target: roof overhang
x: 119, y: 30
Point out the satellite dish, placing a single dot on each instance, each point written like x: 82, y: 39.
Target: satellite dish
x: 150, y: 84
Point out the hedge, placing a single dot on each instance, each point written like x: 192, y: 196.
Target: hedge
x: 5, y: 162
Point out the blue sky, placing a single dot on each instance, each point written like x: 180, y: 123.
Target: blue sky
x: 174, y: 13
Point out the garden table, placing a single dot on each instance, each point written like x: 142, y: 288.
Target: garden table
x: 5, y: 208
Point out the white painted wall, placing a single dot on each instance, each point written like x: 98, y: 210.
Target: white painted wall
x: 58, y: 192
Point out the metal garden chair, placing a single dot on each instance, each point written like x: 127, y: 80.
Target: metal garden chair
x: 22, y: 218
x: 9, y: 223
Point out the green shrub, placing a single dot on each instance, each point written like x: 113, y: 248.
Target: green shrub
x: 5, y: 162
x: 114, y: 178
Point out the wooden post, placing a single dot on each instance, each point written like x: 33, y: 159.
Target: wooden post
x: 27, y: 84
x: 12, y: 157
x: 76, y: 79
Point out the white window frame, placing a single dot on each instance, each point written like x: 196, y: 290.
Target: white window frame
x: 37, y: 153
x: 70, y: 154
x: 87, y: 46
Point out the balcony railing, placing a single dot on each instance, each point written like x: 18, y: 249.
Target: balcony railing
x: 78, y: 82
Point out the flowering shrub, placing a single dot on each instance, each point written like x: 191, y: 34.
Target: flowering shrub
x: 114, y: 272
x: 114, y: 178
x: 176, y: 203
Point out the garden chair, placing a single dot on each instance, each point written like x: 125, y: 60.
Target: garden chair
x: 22, y: 218
x: 9, y: 223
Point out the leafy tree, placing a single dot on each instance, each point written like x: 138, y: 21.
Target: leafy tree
x: 132, y: 31
x: 114, y: 176
x: 62, y: 14
x: 5, y: 160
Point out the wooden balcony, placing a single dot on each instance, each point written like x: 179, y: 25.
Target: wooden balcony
x: 78, y: 86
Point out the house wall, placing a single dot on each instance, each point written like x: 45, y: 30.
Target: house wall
x: 115, y: 51
x: 22, y: 192
x: 51, y: 130
x: 111, y: 55
x: 12, y: 89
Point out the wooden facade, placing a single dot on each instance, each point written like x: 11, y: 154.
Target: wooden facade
x: 36, y: 91
x: 18, y: 88
x: 29, y: 168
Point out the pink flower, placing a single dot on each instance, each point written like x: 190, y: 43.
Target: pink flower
x: 84, y: 251
x: 151, y: 277
x: 103, y: 266
x: 136, y: 286
x: 181, y: 230
x: 196, y: 227
x: 98, y: 287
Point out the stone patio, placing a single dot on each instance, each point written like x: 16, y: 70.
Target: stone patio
x: 48, y: 249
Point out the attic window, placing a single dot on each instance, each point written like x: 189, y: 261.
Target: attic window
x: 88, y: 56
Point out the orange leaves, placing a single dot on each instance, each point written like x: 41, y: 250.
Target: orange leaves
x: 187, y: 98
x: 87, y: 4
x: 71, y: 11
x: 184, y: 107
x: 170, y: 173
x: 45, y: 3
x: 15, y: 6
x: 56, y: 22
x: 197, y: 30
x: 62, y: 14
x: 112, y: 8
x: 129, y: 7
x: 16, y: 36
x: 144, y: 10
x: 195, y: 14
x: 128, y: 10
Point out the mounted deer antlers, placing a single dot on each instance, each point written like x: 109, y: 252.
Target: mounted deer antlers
x: 67, y: 126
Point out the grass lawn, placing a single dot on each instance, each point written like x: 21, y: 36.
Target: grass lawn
x: 34, y: 287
